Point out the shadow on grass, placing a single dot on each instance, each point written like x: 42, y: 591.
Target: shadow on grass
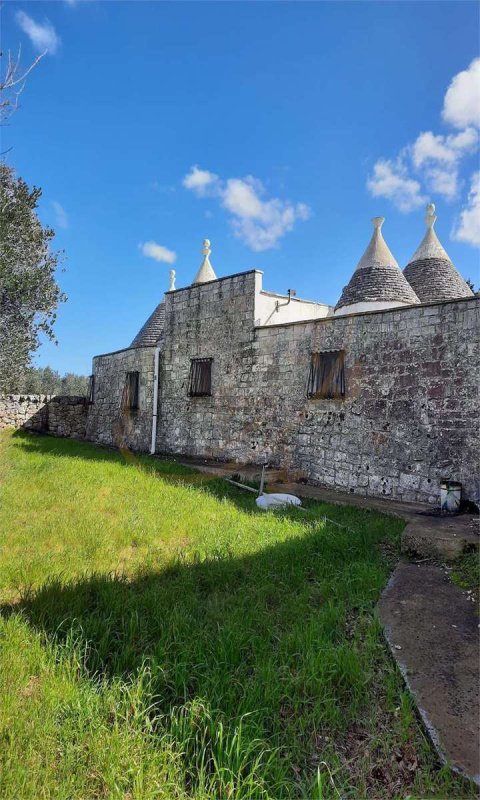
x: 270, y: 634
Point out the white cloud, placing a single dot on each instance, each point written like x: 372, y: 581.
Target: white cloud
x: 42, y: 36
x: 461, y: 106
x: 468, y: 228
x: 432, y: 163
x: 202, y: 182
x: 439, y: 156
x: 60, y: 214
x: 391, y: 180
x: 256, y: 220
x: 447, y: 149
x: 158, y: 252
x: 442, y: 181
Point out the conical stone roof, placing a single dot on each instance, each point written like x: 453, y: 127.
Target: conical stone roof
x: 205, y: 273
x: 430, y: 271
x: 151, y: 332
x: 377, y: 278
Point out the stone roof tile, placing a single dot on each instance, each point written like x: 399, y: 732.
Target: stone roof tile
x: 378, y: 277
x: 430, y: 271
x: 151, y: 332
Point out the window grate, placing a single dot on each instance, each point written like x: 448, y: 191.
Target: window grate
x: 200, y: 380
x: 327, y: 375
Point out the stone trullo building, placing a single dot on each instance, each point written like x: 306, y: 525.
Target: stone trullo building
x: 377, y: 396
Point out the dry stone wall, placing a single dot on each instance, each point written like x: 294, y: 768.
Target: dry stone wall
x: 54, y: 414
x: 107, y: 422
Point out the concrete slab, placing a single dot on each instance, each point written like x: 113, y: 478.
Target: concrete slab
x: 441, y: 537
x: 432, y: 630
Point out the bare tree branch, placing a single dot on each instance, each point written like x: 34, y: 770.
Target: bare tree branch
x: 12, y: 83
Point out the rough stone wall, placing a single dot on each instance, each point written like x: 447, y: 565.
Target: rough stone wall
x: 409, y: 419
x: 211, y: 320
x: 54, y: 414
x: 107, y: 423
x: 411, y: 413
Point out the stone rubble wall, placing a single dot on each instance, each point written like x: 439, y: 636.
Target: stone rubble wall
x: 107, y: 422
x: 410, y: 417
x: 57, y: 415
x: 411, y: 413
x: 211, y: 320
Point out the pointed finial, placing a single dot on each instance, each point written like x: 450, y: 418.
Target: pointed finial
x: 430, y: 217
x: 205, y: 273
x: 173, y: 276
x: 377, y: 222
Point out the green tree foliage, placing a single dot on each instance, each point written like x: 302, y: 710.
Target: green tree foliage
x: 29, y: 293
x: 45, y: 380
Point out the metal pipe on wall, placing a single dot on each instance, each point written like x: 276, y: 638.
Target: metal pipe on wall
x: 155, y: 401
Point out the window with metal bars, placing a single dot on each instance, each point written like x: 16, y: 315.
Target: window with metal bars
x: 200, y: 379
x: 130, y: 391
x: 91, y: 389
x: 327, y: 375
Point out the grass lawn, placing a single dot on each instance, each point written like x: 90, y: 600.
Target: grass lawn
x: 161, y: 638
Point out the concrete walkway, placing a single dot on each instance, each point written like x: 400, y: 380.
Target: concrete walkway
x: 430, y: 624
x: 432, y: 629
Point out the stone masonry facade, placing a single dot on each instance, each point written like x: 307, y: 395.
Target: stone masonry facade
x: 208, y: 320
x: 109, y: 423
x: 57, y: 415
x: 409, y: 418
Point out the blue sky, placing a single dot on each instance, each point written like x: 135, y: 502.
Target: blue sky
x: 277, y: 130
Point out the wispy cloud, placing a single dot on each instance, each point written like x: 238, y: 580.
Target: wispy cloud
x: 158, y: 252
x: 259, y: 221
x: 468, y: 227
x: 390, y: 179
x: 202, y: 182
x: 60, y: 214
x: 431, y: 164
x: 42, y: 35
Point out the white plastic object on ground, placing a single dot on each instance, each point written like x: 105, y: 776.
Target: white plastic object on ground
x: 277, y: 500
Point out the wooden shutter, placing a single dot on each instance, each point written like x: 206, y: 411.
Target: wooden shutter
x: 200, y: 380
x: 130, y: 392
x: 91, y: 389
x: 327, y: 375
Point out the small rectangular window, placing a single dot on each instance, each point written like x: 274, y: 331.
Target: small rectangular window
x: 327, y: 375
x: 91, y: 389
x: 130, y: 391
x: 200, y: 380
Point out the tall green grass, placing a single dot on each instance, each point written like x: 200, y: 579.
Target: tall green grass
x: 161, y: 638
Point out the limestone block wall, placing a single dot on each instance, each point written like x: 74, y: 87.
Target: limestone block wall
x: 107, y: 422
x: 411, y: 413
x: 210, y: 320
x: 54, y: 414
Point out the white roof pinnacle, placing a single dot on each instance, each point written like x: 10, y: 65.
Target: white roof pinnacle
x: 205, y: 272
x: 377, y: 253
x: 430, y: 246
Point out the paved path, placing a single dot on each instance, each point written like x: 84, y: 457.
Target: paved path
x: 432, y: 630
